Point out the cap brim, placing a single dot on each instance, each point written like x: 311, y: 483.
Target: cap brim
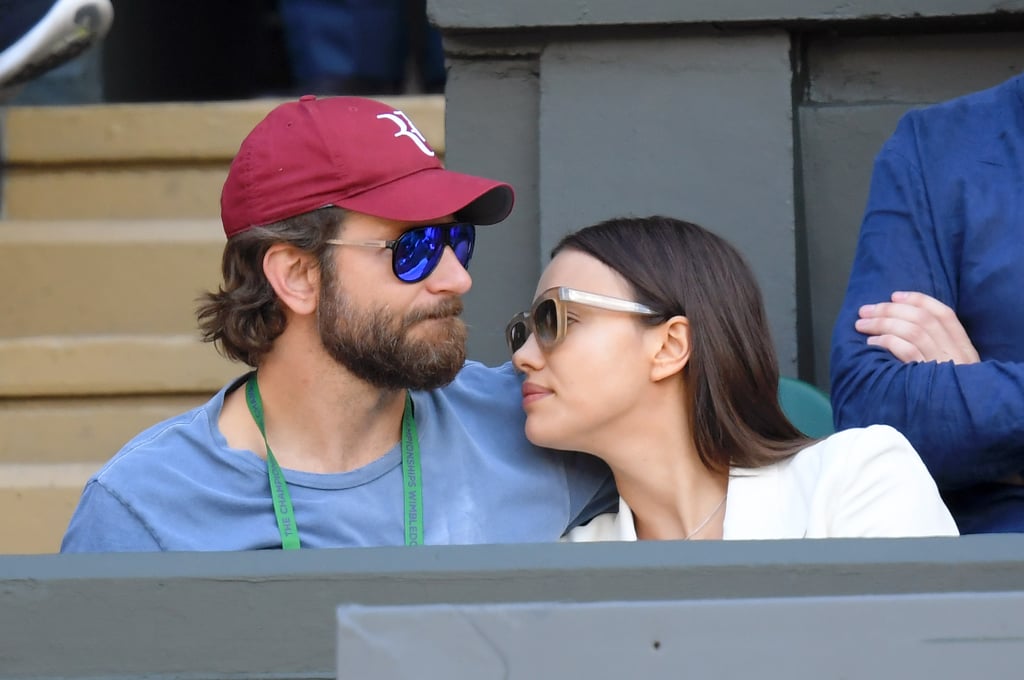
x: 434, y: 193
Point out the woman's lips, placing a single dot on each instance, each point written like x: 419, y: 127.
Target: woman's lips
x: 533, y: 392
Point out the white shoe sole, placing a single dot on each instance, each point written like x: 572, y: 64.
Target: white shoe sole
x: 63, y: 33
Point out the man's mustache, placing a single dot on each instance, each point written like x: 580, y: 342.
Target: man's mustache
x: 451, y: 307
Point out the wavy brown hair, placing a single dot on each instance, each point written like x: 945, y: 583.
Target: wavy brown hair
x: 732, y: 377
x: 244, y: 317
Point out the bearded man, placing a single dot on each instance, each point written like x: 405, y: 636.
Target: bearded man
x: 362, y: 424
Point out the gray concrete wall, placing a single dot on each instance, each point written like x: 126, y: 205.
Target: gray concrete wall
x: 617, y: 139
x: 757, y: 119
x: 272, y: 614
x: 498, y: 138
x: 489, y: 14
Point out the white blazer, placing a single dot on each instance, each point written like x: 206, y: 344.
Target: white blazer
x: 862, y: 482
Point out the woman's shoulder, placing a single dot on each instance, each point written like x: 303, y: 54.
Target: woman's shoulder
x: 859, y: 453
x: 870, y: 482
x: 856, y: 444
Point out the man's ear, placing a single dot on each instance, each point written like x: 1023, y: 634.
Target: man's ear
x: 294, y: 275
x: 673, y: 351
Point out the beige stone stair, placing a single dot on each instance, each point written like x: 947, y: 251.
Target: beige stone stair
x: 97, y: 341
x: 139, y: 161
x: 110, y: 232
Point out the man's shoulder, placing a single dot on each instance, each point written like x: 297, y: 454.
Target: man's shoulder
x: 477, y: 374
x: 171, y: 442
x: 481, y: 398
x: 480, y: 384
x: 972, y: 119
x: 976, y: 105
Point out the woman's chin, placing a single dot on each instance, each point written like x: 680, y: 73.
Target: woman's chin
x: 540, y: 435
x: 535, y: 438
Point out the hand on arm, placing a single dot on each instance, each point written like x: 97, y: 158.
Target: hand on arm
x: 921, y: 374
x: 917, y: 327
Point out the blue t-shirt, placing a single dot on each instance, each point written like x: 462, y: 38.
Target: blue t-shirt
x: 946, y: 217
x: 179, y: 486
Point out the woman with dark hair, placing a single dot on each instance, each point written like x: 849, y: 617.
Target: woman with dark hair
x: 648, y: 346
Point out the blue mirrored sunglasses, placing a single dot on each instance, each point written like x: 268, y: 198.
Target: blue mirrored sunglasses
x: 417, y: 252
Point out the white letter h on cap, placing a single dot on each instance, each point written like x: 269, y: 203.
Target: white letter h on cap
x: 407, y: 129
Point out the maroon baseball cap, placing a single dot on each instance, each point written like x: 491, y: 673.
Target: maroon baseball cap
x: 353, y: 153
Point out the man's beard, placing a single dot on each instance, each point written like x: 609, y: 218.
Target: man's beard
x: 375, y: 346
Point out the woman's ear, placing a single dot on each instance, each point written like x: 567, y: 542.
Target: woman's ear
x: 673, y: 351
x: 295, y: 277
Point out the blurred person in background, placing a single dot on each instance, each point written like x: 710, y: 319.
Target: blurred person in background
x: 361, y: 46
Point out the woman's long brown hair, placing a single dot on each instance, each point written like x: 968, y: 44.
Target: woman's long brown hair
x: 680, y: 268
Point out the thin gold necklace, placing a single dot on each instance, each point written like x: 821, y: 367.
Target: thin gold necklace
x: 707, y: 519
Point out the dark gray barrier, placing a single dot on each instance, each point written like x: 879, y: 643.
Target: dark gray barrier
x: 939, y: 637
x: 273, y: 615
x: 476, y: 14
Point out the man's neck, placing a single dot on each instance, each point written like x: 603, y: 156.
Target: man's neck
x: 318, y: 417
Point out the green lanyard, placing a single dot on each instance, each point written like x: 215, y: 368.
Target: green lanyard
x: 411, y: 479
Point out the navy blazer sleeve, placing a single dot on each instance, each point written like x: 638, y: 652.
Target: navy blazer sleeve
x: 945, y: 216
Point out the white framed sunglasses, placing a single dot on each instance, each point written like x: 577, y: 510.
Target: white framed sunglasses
x: 547, y: 318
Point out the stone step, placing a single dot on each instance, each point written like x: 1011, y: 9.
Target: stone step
x: 37, y: 501
x: 107, y: 307
x: 98, y: 341
x: 139, y: 161
x: 76, y: 430
x: 48, y: 449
